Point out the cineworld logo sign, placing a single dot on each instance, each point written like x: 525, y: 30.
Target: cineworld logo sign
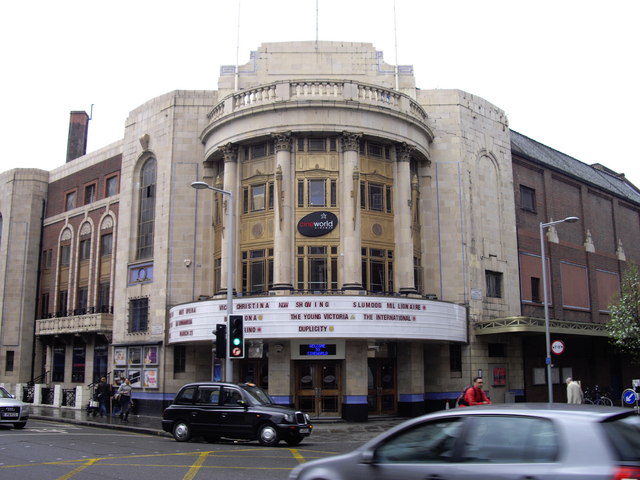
x: 317, y: 224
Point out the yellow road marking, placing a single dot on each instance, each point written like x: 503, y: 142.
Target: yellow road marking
x: 78, y: 470
x: 195, y: 468
x: 296, y: 455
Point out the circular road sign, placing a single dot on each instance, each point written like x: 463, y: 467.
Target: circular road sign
x: 629, y: 397
x: 557, y: 347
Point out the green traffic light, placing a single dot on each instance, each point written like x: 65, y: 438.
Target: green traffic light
x: 236, y: 341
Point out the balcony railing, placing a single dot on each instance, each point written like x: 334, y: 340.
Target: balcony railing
x: 75, y: 322
x: 309, y: 90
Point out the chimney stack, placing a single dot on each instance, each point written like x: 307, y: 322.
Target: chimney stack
x: 78, y: 132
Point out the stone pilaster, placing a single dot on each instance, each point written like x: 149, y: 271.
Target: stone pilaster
x: 283, y: 220
x: 230, y: 153
x: 403, y: 258
x: 354, y: 402
x: 411, y: 379
x: 350, y: 235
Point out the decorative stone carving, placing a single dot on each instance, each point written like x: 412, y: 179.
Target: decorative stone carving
x: 144, y: 142
x: 620, y: 252
x: 588, y: 243
x: 351, y: 141
x: 107, y: 223
x: 404, y: 152
x: 85, y: 229
x: 66, y: 235
x: 230, y: 152
x: 282, y: 141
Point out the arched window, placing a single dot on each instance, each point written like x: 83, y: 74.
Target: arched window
x: 147, y: 208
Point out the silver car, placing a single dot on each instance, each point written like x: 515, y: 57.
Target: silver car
x: 12, y: 411
x: 496, y: 442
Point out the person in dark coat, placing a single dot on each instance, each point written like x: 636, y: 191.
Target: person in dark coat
x: 103, y: 395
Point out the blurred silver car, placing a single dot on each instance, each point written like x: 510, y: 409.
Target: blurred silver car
x: 496, y: 442
x: 12, y: 411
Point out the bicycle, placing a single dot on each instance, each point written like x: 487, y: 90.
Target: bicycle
x: 596, y: 397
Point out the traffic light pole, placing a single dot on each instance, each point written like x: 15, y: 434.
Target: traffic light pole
x: 228, y: 369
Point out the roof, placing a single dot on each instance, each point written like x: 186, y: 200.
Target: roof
x: 604, y: 179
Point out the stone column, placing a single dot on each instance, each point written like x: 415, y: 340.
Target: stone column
x: 230, y: 152
x: 350, y: 235
x: 281, y: 369
x: 283, y: 229
x: 411, y: 399
x: 403, y: 258
x: 354, y: 403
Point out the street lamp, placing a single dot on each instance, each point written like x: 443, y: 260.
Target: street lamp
x: 546, y: 301
x: 228, y: 373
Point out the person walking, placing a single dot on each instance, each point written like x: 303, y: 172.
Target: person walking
x: 475, y: 395
x: 574, y: 392
x: 103, y: 394
x: 124, y: 397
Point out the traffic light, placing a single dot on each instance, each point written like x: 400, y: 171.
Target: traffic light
x: 221, y: 341
x: 236, y: 336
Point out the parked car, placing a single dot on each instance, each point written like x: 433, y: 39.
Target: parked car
x: 230, y: 410
x: 12, y: 411
x: 510, y: 441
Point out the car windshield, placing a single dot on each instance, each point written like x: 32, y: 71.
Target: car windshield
x: 258, y: 396
x: 624, y: 434
x: 4, y: 393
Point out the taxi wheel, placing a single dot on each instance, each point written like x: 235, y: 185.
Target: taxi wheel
x: 19, y: 425
x: 181, y: 431
x: 294, y: 440
x: 268, y: 435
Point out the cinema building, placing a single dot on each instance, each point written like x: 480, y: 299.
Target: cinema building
x: 368, y: 224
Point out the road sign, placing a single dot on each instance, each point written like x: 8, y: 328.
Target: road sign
x: 629, y: 397
x: 557, y: 347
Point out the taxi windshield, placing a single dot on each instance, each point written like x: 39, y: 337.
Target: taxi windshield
x: 258, y: 396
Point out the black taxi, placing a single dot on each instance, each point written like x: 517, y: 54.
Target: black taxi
x: 233, y: 410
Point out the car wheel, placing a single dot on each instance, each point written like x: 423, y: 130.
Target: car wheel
x: 19, y: 425
x: 181, y: 431
x: 212, y: 438
x: 268, y: 435
x: 293, y: 440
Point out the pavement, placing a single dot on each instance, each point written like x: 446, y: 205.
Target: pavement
x: 152, y: 425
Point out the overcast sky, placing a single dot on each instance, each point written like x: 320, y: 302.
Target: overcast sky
x: 566, y: 72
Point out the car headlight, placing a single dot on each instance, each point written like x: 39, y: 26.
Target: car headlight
x: 288, y: 417
x: 307, y: 418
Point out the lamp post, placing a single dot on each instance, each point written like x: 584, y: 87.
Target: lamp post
x: 546, y: 300
x: 228, y: 373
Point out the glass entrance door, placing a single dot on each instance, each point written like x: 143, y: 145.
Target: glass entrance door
x: 382, y: 386
x: 318, y: 388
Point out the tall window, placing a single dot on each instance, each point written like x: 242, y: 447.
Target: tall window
x: 44, y: 305
x: 90, y: 194
x: 8, y: 364
x: 179, y: 359
x: 103, y: 298
x: 111, y: 186
x: 83, y: 297
x: 527, y: 198
x: 493, y: 284
x: 85, y: 249
x: 417, y: 274
x: 377, y: 269
x: 63, y: 295
x: 317, y: 268
x: 70, y: 201
x: 455, y: 358
x: 317, y: 195
x: 106, y: 244
x: 147, y: 205
x: 78, y: 363
x: 257, y: 271
x: 375, y: 197
x: 57, y: 372
x: 65, y: 255
x: 138, y: 315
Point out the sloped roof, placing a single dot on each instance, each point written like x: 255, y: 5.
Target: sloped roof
x: 537, y: 152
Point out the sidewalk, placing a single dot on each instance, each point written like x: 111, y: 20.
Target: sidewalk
x: 152, y: 425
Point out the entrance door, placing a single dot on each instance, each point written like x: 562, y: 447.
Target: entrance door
x: 382, y: 386
x: 318, y: 388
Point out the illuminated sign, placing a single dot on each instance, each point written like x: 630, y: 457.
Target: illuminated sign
x: 317, y: 349
x: 317, y: 224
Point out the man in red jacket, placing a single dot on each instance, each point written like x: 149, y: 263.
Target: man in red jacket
x: 475, y: 395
